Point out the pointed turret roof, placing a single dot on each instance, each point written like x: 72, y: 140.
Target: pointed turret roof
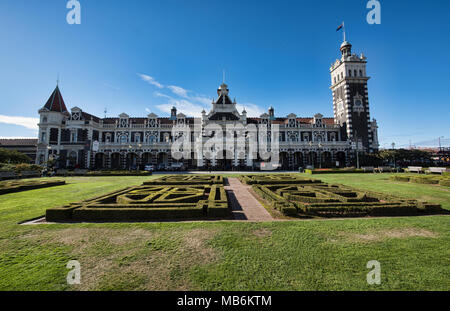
x: 56, y: 102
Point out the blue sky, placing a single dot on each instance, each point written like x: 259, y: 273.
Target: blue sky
x: 137, y: 56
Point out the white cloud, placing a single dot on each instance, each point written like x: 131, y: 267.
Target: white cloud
x: 192, y: 105
x: 178, y: 91
x: 184, y: 106
x: 27, y: 122
x: 252, y: 109
x: 150, y: 80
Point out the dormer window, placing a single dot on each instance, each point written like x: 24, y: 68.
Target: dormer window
x: 44, y: 120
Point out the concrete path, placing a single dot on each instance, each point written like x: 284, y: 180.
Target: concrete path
x: 243, y: 204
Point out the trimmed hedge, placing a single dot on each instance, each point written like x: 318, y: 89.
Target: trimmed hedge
x: 148, y: 202
x: 285, y: 179
x: 333, y: 171
x: 444, y: 182
x: 187, y: 180
x: 400, y: 178
x: 324, y: 200
x: 17, y: 186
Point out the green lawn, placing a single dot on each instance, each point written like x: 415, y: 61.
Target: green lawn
x: 414, y: 252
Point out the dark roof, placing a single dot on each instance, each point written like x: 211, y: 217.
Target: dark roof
x: 227, y: 100
x: 56, y: 102
x: 327, y: 121
x: 219, y: 116
x: 88, y: 116
x: 18, y: 141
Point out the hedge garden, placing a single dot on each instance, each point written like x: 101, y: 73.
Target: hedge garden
x: 442, y: 180
x: 161, y: 199
x: 24, y: 185
x: 296, y: 196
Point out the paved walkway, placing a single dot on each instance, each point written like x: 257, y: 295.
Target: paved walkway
x: 243, y: 204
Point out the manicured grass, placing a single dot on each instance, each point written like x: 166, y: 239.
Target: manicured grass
x: 282, y: 255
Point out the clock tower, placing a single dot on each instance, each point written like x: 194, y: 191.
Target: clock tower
x: 350, y: 99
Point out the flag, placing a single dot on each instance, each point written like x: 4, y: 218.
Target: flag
x: 340, y: 27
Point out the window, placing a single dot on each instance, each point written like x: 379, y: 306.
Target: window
x: 73, y: 136
x: 123, y: 139
x: 44, y: 120
x: 349, y: 73
x: 43, y: 137
x: 356, y: 73
x: 137, y: 138
x: 108, y: 138
x: 360, y: 73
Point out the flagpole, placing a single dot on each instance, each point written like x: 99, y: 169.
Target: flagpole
x: 343, y: 26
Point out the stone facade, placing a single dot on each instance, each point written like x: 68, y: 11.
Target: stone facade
x: 79, y: 139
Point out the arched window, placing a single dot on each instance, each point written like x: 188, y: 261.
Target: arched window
x: 356, y: 73
x: 360, y: 73
x: 44, y: 120
x: 123, y: 139
x: 349, y: 73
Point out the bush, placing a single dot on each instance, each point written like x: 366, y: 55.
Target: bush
x: 17, y: 186
x: 27, y: 167
x: 400, y: 178
x: 444, y: 182
x: 348, y: 170
x: 13, y: 156
x: 425, y: 180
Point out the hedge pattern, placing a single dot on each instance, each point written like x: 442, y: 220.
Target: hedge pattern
x: 148, y: 202
x: 280, y: 179
x: 325, y: 200
x: 442, y: 180
x: 187, y: 180
x: 24, y: 185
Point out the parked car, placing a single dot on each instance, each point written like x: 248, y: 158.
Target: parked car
x: 176, y: 167
x: 149, y: 168
x: 161, y: 167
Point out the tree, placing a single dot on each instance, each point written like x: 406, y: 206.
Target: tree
x: 13, y: 156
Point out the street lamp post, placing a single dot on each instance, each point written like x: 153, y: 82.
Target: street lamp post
x: 320, y: 155
x: 393, y: 153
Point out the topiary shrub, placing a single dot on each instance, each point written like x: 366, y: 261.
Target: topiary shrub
x: 425, y: 180
x: 444, y: 182
x: 400, y: 178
